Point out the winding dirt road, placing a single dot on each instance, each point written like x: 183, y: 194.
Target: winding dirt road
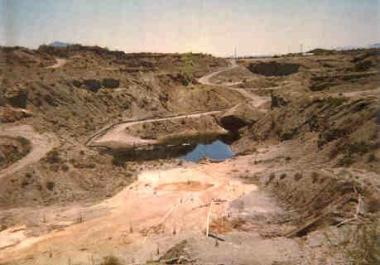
x: 41, y: 144
x: 255, y: 100
x: 161, y: 208
x: 59, y: 63
x: 114, y: 136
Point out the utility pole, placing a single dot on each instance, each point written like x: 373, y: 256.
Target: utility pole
x: 301, y: 48
x: 235, y: 53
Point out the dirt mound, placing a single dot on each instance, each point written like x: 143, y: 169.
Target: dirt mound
x: 273, y: 68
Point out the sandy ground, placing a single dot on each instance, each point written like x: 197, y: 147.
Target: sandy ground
x: 162, y: 207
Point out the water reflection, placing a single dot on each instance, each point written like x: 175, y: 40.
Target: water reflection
x: 215, y: 151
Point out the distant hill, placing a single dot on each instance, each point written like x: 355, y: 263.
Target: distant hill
x: 59, y: 44
x: 375, y: 45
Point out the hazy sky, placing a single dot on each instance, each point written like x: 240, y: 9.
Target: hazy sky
x: 212, y: 26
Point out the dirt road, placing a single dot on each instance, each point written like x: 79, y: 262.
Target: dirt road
x: 161, y: 208
x: 40, y: 145
x: 59, y: 63
x: 206, y: 79
x: 254, y: 100
x: 114, y: 136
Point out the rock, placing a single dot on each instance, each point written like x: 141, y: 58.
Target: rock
x: 92, y: 84
x: 239, y: 117
x: 110, y: 83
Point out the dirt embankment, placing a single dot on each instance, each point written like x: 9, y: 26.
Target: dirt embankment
x: 316, y: 152
x: 93, y: 88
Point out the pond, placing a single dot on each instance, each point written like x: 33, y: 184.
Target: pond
x: 215, y: 151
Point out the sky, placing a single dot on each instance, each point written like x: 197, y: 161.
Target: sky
x: 254, y: 27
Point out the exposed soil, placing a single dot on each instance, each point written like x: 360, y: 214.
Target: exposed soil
x: 303, y: 188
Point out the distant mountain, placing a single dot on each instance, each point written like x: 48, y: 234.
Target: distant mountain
x: 375, y: 45
x: 59, y: 44
x: 369, y: 46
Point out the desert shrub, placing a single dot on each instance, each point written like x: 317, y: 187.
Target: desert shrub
x: 53, y: 157
x: 364, y: 65
x: 366, y: 248
x: 330, y: 135
x: 371, y: 158
x: 358, y: 148
x: 50, y: 185
x: 335, y: 101
x: 110, y: 260
x: 118, y: 160
x: 346, y: 160
x: 50, y: 100
x: 298, y: 176
x: 19, y: 99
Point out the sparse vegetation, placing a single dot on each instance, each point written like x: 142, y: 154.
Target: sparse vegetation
x: 53, y: 157
x: 111, y: 260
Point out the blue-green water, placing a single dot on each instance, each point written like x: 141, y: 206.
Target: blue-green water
x: 215, y: 151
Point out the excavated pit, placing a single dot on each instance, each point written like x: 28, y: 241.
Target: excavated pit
x: 273, y: 68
